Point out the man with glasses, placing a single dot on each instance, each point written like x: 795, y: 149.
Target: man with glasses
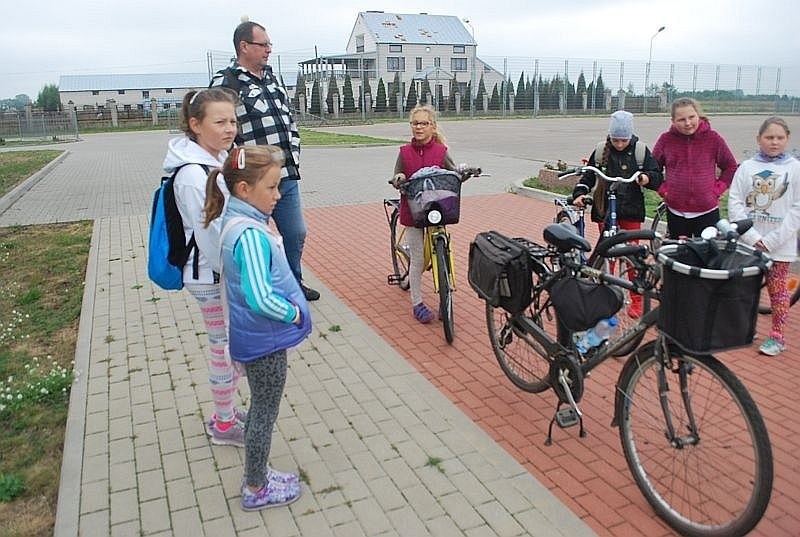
x: 265, y: 118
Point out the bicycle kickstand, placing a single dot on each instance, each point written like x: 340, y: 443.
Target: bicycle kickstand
x: 566, y: 417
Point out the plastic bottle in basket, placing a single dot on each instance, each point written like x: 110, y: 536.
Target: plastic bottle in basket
x: 597, y: 334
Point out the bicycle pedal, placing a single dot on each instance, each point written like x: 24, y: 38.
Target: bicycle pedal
x: 567, y: 417
x: 392, y: 279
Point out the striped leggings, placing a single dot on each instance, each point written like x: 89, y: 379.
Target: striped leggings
x: 223, y: 378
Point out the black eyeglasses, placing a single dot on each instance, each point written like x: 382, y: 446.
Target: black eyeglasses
x: 267, y: 44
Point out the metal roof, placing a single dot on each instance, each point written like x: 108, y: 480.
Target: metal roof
x: 148, y: 81
x: 416, y: 29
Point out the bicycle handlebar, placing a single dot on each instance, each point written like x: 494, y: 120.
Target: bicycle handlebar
x: 465, y: 173
x: 583, y: 169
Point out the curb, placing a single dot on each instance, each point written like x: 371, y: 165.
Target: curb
x: 17, y: 192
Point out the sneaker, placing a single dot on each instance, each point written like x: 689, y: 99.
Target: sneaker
x: 310, y: 294
x: 282, y: 478
x: 270, y: 495
x: 422, y: 313
x: 232, y: 436
x: 772, y: 346
x: 239, y: 413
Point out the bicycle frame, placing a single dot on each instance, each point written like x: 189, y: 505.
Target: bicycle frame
x: 430, y: 236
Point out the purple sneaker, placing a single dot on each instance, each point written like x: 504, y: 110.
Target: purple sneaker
x: 281, y: 478
x: 270, y: 495
x: 422, y: 313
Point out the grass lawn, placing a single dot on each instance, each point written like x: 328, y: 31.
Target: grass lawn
x: 16, y: 166
x: 43, y: 271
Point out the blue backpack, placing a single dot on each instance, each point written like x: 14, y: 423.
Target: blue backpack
x: 167, y: 249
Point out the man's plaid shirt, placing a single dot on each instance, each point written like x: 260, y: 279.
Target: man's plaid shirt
x: 264, y: 115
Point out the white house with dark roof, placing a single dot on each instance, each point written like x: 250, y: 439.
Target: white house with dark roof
x: 128, y: 91
x: 416, y: 46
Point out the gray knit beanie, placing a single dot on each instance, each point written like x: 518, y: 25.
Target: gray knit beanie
x: 621, y: 125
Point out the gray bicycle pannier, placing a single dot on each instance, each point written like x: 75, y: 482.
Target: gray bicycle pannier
x: 500, y: 271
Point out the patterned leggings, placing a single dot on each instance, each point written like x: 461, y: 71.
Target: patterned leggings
x: 779, y: 297
x: 266, y: 377
x: 223, y: 378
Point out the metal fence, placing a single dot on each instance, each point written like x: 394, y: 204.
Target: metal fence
x: 49, y: 126
x: 606, y: 84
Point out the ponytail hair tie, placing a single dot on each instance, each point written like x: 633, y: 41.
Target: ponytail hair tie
x: 238, y: 160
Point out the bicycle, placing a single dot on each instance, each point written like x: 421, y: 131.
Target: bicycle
x: 433, y: 217
x: 683, y: 416
x: 620, y: 266
x: 659, y: 223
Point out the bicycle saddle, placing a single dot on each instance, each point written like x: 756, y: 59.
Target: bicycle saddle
x: 565, y: 238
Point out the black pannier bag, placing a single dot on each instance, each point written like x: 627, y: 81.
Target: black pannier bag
x: 500, y: 271
x: 709, y: 295
x: 581, y: 303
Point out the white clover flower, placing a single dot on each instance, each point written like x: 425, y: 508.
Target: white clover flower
x: 43, y: 391
x: 2, y: 408
x: 19, y: 396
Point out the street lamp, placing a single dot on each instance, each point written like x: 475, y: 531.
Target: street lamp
x: 472, y: 74
x: 647, y: 71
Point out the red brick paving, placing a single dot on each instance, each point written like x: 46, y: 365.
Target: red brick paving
x: 348, y: 249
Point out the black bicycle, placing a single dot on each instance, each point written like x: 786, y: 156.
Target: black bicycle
x: 691, y: 434
x: 659, y: 225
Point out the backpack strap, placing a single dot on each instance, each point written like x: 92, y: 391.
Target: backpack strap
x: 598, y: 152
x: 639, y: 151
x: 192, y: 244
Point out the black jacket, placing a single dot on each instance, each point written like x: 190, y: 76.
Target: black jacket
x: 630, y: 198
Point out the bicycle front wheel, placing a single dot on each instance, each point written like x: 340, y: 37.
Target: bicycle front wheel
x: 400, y: 256
x: 634, y: 305
x: 659, y: 225
x: 445, y: 290
x: 713, y: 476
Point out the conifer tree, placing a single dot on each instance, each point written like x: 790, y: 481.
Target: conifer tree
x: 348, y: 103
x: 333, y: 89
x: 380, y: 97
x: 411, y: 99
x: 394, y: 92
x: 316, y: 99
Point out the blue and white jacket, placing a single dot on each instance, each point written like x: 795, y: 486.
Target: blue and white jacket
x: 260, y: 289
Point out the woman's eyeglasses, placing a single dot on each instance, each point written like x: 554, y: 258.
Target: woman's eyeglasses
x: 420, y: 123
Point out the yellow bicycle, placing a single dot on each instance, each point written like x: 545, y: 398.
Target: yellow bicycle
x: 434, y: 199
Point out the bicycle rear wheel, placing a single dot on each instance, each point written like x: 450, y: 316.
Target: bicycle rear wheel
x: 714, y: 478
x: 400, y: 255
x: 622, y: 267
x: 445, y: 290
x: 523, y: 359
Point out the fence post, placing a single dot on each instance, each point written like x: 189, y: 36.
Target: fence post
x: 154, y: 110
x: 112, y: 106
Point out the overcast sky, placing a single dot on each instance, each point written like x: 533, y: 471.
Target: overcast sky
x: 52, y: 37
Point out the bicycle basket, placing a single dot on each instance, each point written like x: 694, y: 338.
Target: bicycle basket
x: 433, y: 188
x: 709, y: 296
x: 581, y: 303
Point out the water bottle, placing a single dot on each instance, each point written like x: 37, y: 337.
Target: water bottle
x: 597, y: 334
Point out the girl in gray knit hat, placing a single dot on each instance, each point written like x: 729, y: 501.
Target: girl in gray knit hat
x: 620, y: 155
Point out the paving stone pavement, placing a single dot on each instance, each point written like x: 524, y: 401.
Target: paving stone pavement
x: 359, y: 420
x: 383, y: 451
